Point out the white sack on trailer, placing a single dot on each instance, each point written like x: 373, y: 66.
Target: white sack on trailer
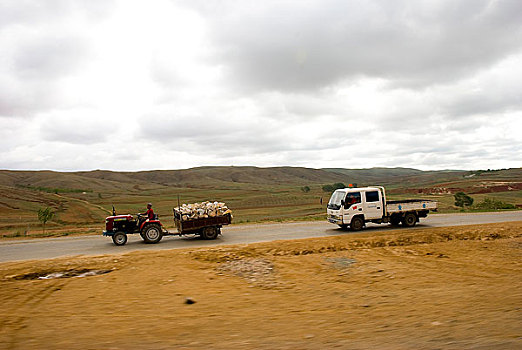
x: 202, y: 210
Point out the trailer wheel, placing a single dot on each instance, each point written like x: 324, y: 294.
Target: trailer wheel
x: 119, y: 238
x: 210, y: 232
x: 409, y: 220
x: 357, y: 223
x: 152, y: 233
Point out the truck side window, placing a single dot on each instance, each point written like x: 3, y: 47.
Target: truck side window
x: 372, y: 196
x: 352, y: 198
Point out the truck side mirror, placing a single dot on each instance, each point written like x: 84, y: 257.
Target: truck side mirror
x: 342, y: 202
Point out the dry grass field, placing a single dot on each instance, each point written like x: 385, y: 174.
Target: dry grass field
x: 441, y: 288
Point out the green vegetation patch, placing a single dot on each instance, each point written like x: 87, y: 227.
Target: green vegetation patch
x: 54, y: 190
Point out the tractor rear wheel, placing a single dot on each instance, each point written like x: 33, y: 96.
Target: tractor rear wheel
x: 152, y: 233
x: 210, y: 232
x: 119, y: 238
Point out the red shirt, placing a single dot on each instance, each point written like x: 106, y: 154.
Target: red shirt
x: 150, y: 214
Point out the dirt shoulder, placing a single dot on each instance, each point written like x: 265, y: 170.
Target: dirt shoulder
x: 451, y: 288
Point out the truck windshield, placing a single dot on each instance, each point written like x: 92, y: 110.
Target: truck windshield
x: 335, y: 200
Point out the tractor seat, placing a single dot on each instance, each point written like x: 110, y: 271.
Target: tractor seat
x: 155, y: 217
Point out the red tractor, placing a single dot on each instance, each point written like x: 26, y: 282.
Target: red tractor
x: 119, y: 226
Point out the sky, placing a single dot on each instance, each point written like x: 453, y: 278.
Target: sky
x: 140, y: 85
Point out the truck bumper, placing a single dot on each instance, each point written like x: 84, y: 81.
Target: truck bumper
x: 334, y: 220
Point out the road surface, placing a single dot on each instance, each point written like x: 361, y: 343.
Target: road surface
x: 47, y: 248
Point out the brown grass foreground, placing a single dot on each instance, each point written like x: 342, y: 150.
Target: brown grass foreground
x: 442, y: 288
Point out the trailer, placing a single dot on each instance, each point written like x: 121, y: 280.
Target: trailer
x: 207, y: 228
x: 354, y: 207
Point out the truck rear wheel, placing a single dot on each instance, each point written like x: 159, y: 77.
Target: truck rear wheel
x: 357, y: 224
x: 209, y: 232
x: 409, y: 220
x: 119, y: 238
x: 152, y: 233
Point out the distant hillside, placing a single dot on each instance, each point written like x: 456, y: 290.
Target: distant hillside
x: 222, y: 175
x: 60, y: 180
x: 204, y: 176
x: 215, y: 177
x: 403, y: 177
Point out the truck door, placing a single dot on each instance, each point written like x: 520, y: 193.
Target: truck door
x: 352, y: 206
x: 372, y: 204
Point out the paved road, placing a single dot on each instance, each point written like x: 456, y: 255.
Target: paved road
x: 240, y: 234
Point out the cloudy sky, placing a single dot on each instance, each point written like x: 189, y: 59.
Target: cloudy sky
x: 132, y: 85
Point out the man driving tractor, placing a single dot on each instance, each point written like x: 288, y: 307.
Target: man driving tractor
x: 149, y: 213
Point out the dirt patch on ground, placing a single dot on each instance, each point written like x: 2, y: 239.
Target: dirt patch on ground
x: 47, y: 275
x: 259, y: 272
x: 444, y: 288
x: 397, y: 238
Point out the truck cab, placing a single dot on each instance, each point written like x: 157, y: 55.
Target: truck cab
x: 354, y: 206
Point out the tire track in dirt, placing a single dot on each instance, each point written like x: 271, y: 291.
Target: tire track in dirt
x: 18, y: 323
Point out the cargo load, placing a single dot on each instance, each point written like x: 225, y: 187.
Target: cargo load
x: 202, y: 210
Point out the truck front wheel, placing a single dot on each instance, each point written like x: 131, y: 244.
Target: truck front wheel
x: 119, y: 238
x: 152, y: 233
x: 409, y: 220
x: 357, y: 224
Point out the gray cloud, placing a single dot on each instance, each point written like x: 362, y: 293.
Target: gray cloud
x: 37, y: 67
x: 295, y: 46
x: 42, y: 43
x: 75, y: 131
x: 216, y: 135
x: 49, y: 58
x: 35, y: 12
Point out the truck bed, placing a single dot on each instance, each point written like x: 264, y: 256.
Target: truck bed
x: 410, y: 205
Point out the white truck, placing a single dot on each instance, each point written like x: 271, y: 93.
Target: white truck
x: 355, y: 207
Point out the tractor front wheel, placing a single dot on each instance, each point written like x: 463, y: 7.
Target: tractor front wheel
x: 152, y: 233
x: 119, y: 238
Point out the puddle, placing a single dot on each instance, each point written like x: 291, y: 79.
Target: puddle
x: 47, y: 275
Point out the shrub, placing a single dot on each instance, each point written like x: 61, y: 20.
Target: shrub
x: 45, y: 215
x: 494, y: 204
x: 335, y: 186
x: 462, y: 199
